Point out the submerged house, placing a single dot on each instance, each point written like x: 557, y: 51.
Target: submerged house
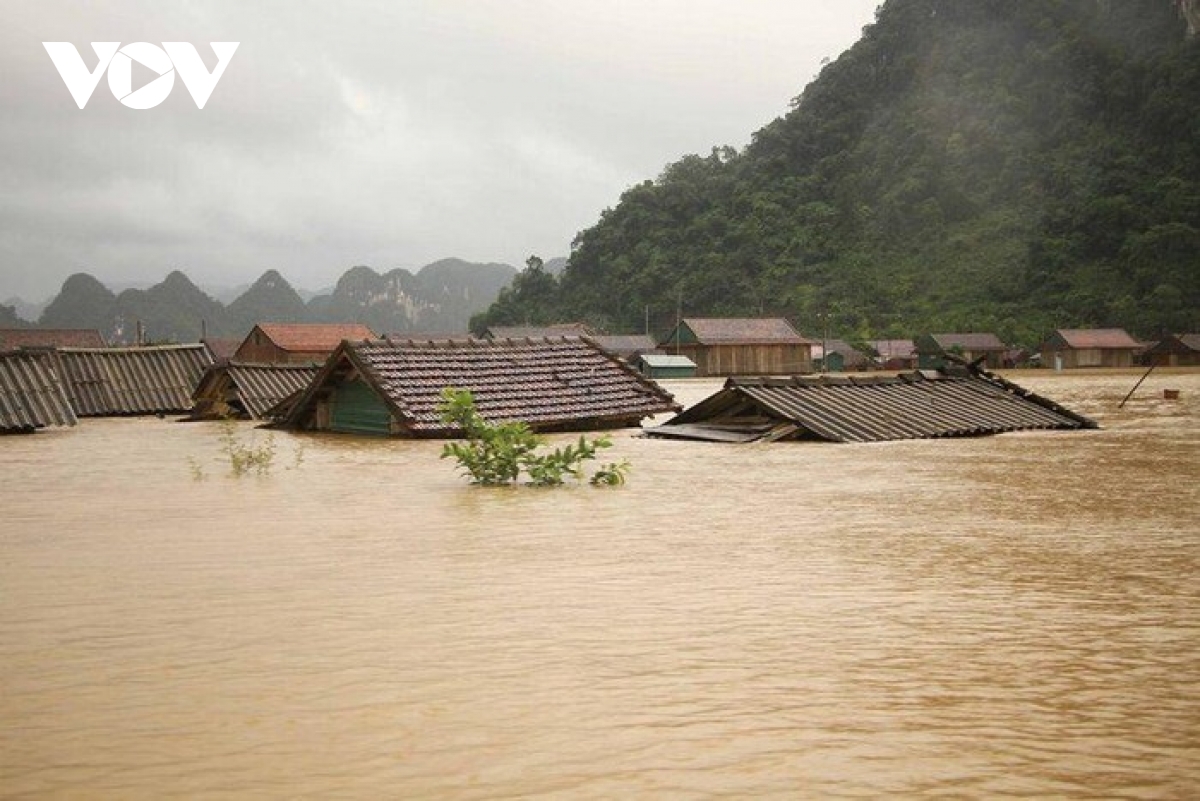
x: 248, y: 391
x: 1179, y: 350
x: 538, y: 331
x: 295, y: 343
x: 665, y: 365
x: 961, y: 403
x: 1067, y: 349
x: 628, y: 346
x: 986, y: 349
x: 895, y: 354
x: 155, y: 379
x: 838, y: 356
x: 740, y: 346
x: 31, y: 395
x: 385, y: 387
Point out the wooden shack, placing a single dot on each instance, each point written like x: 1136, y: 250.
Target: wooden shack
x: 296, y: 343
x: 1067, y: 349
x: 385, y: 387
x: 983, y: 348
x: 740, y: 346
x: 1177, y: 350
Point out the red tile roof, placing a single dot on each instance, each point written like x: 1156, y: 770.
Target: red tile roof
x: 744, y: 331
x: 564, y: 383
x: 313, y: 337
x: 13, y: 338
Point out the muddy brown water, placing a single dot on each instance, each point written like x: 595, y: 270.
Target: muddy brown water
x: 1013, y: 615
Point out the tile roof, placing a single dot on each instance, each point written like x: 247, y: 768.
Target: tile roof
x: 745, y: 331
x: 894, y: 348
x: 539, y: 331
x: 1097, y: 338
x: 221, y: 348
x: 916, y: 405
x: 313, y: 337
x: 563, y: 383
x: 256, y: 387
x: 31, y: 396
x: 130, y: 381
x: 12, y: 338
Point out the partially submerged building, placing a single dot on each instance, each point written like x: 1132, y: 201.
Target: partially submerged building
x: 31, y: 394
x: 248, y: 391
x: 1067, y: 348
x: 665, y: 365
x: 986, y: 349
x: 502, y: 332
x: 295, y: 343
x: 960, y: 403
x: 384, y: 387
x: 628, y: 346
x: 724, y: 346
x: 1178, y: 350
x: 104, y: 382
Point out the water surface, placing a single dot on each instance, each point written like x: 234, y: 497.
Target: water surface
x: 1013, y: 615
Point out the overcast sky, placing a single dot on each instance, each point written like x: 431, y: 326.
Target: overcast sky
x: 390, y: 134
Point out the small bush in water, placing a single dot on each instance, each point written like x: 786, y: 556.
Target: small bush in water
x: 496, y: 454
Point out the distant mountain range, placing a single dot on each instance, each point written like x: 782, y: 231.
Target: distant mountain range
x: 438, y: 299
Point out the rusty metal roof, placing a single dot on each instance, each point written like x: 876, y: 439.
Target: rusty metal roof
x: 564, y: 383
x: 130, y: 381
x: 873, y: 409
x: 31, y: 396
x: 256, y: 388
x: 13, y: 338
x: 1095, y: 338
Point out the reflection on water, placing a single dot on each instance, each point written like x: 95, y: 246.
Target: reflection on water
x: 1008, y: 615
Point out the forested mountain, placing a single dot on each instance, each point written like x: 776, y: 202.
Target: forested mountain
x: 1004, y: 165
x: 440, y: 298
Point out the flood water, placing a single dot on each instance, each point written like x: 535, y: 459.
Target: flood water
x: 1013, y: 615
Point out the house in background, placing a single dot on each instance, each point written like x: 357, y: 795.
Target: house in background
x: 13, y: 338
x: 665, y: 365
x: 296, y: 343
x: 932, y: 350
x: 628, y: 346
x: 894, y: 354
x: 838, y: 356
x: 538, y: 331
x: 724, y: 346
x: 385, y: 388
x: 1178, y: 350
x: 1067, y: 349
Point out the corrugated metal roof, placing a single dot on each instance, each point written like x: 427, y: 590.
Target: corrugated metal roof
x: 916, y: 405
x: 666, y: 360
x: 625, y: 344
x: 256, y: 388
x: 130, y: 381
x: 31, y: 395
x: 561, y: 383
x: 746, y: 331
x: 1098, y: 339
x: 312, y: 337
x: 13, y: 338
x: 971, y: 342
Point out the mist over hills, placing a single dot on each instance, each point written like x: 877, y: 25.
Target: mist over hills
x: 1001, y: 165
x: 439, y: 298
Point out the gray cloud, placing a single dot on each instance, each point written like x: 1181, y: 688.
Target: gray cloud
x: 390, y: 134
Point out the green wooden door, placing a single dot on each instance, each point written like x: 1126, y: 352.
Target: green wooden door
x: 358, y: 410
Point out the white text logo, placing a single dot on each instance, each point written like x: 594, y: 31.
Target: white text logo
x: 164, y: 61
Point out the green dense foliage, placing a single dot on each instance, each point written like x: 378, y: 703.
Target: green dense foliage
x: 1003, y: 165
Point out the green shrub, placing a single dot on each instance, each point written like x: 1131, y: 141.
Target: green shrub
x: 496, y: 454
